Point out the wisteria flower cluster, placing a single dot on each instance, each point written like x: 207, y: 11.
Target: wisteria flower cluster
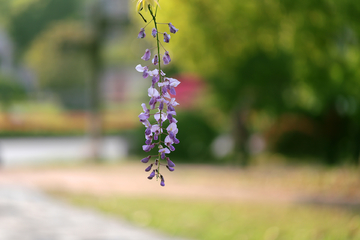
x: 158, y: 116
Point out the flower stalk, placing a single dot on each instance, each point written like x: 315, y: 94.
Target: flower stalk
x: 162, y: 101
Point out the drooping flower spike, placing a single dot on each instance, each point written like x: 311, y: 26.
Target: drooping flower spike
x: 158, y: 116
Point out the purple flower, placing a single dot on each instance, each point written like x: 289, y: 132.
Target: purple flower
x: 172, y: 128
x: 148, y: 131
x: 170, y: 168
x: 149, y: 139
x: 142, y: 33
x: 172, y: 148
x: 166, y: 58
x: 170, y: 163
x: 156, y: 129
x: 161, y: 99
x: 154, y: 72
x: 161, y: 106
x: 162, y: 183
x: 155, y: 60
x: 172, y: 90
x: 142, y: 69
x: 157, y: 117
x: 171, y: 104
x: 168, y: 141
x: 153, y: 32
x: 172, y: 28
x: 166, y: 37
x: 153, y: 93
x: 173, y: 82
x: 147, y: 148
x: 145, y: 160
x: 164, y: 90
x: 152, y: 174
x: 148, y: 168
x: 146, y: 110
x: 147, y: 55
x: 164, y: 151
x: 154, y: 80
x: 143, y: 117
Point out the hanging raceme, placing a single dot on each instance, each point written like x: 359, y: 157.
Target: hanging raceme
x: 158, y: 116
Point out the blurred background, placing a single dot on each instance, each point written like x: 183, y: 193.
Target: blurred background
x: 265, y: 76
x: 270, y: 88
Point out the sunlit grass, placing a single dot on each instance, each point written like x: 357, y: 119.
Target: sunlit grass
x: 214, y: 220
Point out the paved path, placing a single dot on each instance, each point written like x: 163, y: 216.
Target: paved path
x: 27, y: 151
x: 26, y: 214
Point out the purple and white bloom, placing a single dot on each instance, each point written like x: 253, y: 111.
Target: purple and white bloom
x: 166, y: 58
x: 161, y: 102
x: 147, y: 148
x: 154, y: 72
x: 172, y: 128
x: 149, y: 139
x: 156, y: 129
x: 173, y: 82
x: 148, y: 131
x: 168, y: 141
x: 166, y: 37
x: 171, y: 104
x: 164, y: 151
x: 147, y: 55
x: 153, y: 93
x: 157, y: 117
x: 154, y: 32
x: 142, y: 69
x: 172, y: 28
x: 143, y: 117
x: 155, y: 60
x: 142, y: 33
x: 154, y: 80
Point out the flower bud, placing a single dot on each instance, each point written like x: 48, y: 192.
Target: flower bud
x: 145, y: 160
x: 154, y: 32
x: 166, y: 37
x: 142, y: 33
x: 147, y: 55
x: 148, y: 168
x: 172, y: 28
x: 152, y: 174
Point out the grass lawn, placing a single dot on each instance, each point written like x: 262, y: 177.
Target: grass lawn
x: 225, y: 220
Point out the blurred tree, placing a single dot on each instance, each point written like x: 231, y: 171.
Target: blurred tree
x: 60, y: 66
x: 276, y: 56
x: 10, y: 92
x: 26, y: 19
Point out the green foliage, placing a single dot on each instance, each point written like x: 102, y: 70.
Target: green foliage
x: 290, y: 48
x: 275, y: 57
x: 30, y: 18
x: 195, y: 135
x: 60, y: 62
x: 10, y: 91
